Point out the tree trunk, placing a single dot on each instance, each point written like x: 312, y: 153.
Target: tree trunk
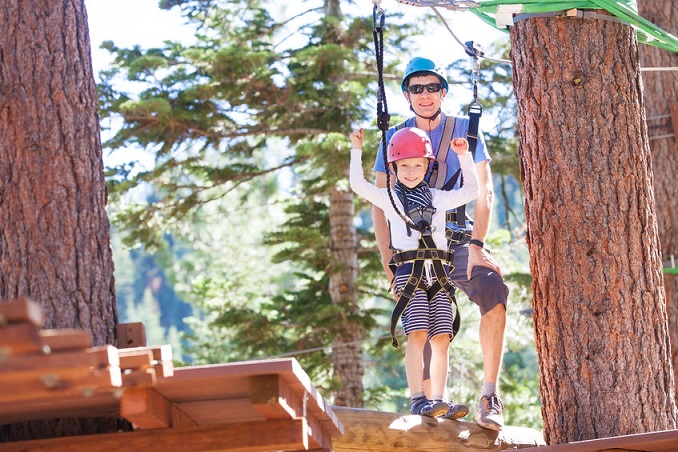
x: 347, y: 356
x: 660, y: 92
x: 54, y: 231
x: 599, y: 307
x: 347, y: 346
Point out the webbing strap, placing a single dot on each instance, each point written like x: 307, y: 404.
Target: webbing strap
x: 439, y: 171
x: 475, y: 111
x: 415, y: 281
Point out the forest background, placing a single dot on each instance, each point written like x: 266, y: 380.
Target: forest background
x: 219, y: 178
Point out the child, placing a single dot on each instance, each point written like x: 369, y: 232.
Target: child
x: 416, y: 217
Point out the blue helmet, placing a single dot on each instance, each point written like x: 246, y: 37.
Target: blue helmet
x: 424, y: 65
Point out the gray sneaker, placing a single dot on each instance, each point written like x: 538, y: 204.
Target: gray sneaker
x: 490, y: 411
x: 456, y: 411
x: 430, y: 408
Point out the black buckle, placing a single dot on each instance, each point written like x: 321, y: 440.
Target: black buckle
x: 456, y: 236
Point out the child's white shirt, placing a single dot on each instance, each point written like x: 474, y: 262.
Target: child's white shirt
x: 443, y: 200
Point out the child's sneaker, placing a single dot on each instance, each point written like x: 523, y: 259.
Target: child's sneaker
x: 490, y: 412
x: 429, y: 408
x: 455, y: 411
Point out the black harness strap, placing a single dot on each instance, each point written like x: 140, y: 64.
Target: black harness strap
x: 426, y: 251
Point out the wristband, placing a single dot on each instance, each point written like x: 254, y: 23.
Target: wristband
x: 477, y: 242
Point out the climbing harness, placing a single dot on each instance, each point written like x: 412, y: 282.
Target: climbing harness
x: 424, y: 259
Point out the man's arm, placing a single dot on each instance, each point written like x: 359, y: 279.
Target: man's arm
x: 481, y: 220
x: 381, y: 231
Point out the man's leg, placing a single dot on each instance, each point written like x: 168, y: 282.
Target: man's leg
x: 492, y: 327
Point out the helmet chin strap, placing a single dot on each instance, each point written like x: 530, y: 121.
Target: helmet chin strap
x: 430, y: 118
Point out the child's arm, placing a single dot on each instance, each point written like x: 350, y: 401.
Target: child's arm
x: 357, y: 139
x: 469, y: 190
x: 459, y: 146
x: 357, y: 179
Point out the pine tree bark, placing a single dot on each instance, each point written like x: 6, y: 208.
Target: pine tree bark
x: 599, y: 306
x: 347, y: 356
x: 347, y: 346
x: 660, y: 92
x: 54, y: 231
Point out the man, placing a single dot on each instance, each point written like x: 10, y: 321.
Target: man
x: 424, y: 86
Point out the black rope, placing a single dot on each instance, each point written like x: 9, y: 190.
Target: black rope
x: 383, y: 118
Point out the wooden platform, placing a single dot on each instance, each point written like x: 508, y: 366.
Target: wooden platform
x: 245, y: 406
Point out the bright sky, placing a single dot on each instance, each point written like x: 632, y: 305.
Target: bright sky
x: 130, y: 22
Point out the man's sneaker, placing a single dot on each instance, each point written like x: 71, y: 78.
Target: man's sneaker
x: 490, y: 412
x: 455, y: 411
x: 429, y: 408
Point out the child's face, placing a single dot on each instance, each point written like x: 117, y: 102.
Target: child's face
x: 412, y: 171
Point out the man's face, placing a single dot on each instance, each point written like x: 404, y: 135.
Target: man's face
x: 426, y: 103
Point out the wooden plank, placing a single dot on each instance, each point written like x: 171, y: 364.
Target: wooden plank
x: 131, y: 335
x: 273, y: 397
x: 63, y: 365
x: 55, y: 387
x: 231, y: 380
x: 163, y: 369
x: 664, y: 441
x: 239, y: 437
x: 146, y: 408
x: 66, y: 340
x: 162, y: 353
x: 21, y: 310
x: 20, y: 339
x: 144, y: 377
x: 180, y: 418
x: 205, y: 412
x: 104, y: 404
x: 135, y: 358
x: 106, y: 355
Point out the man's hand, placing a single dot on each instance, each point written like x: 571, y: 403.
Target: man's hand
x: 480, y: 256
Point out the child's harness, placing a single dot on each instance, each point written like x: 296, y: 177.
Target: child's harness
x: 425, y: 258
x: 427, y: 255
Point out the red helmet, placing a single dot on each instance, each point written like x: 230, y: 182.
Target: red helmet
x: 408, y: 143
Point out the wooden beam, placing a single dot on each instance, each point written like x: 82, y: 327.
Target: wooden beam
x: 135, y: 358
x: 106, y: 355
x: 145, y: 408
x: 131, y: 335
x: 282, y: 435
x: 273, y: 398
x: 20, y: 339
x: 180, y: 418
x: 217, y: 411
x: 21, y: 310
x: 51, y: 389
x: 141, y: 377
x: 379, y: 431
x: 66, y: 365
x: 66, y: 340
x: 664, y: 441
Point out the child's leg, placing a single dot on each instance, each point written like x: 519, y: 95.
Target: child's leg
x: 414, y: 368
x: 440, y: 347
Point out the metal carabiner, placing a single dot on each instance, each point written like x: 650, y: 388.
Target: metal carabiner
x: 375, y: 12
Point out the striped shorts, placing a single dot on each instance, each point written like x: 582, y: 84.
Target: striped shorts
x: 436, y: 317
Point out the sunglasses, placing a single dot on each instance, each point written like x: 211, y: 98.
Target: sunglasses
x: 431, y: 88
